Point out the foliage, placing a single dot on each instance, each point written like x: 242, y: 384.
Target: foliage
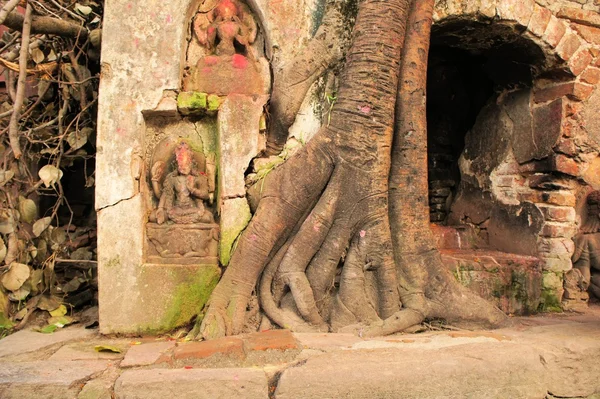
x: 46, y: 241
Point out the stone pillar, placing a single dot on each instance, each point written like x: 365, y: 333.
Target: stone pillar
x: 240, y: 141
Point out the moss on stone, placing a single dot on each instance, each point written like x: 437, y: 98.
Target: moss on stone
x: 192, y: 102
x: 214, y: 102
x: 189, y: 298
x: 549, y: 301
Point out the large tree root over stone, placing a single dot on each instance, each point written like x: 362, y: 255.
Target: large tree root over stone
x: 339, y: 242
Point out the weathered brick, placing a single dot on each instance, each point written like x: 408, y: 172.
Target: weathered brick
x: 566, y: 146
x: 516, y: 10
x: 588, y: 33
x: 272, y: 339
x: 550, y: 93
x: 591, y: 75
x: 568, y: 45
x: 556, y: 246
x: 556, y: 265
x: 200, y: 350
x: 561, y: 198
x: 585, y: 17
x: 581, y: 92
x: 556, y: 229
x: 579, y: 61
x: 563, y: 214
x: 566, y: 165
x: 539, y: 20
x: 554, y: 31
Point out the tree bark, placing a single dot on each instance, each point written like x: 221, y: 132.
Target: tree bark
x: 47, y: 25
x: 326, y: 208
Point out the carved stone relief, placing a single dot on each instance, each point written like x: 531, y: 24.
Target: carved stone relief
x: 586, y: 259
x: 181, y: 225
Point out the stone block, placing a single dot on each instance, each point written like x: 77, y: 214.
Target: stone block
x: 229, y: 346
x: 449, y: 372
x: 556, y: 247
x: 46, y: 379
x: 186, y: 244
x: 539, y: 20
x: 556, y: 229
x: 567, y: 146
x: 165, y: 297
x: 192, y: 384
x: 563, y: 214
x: 26, y: 341
x: 235, y: 216
x: 584, y: 17
x: 591, y: 75
x: 272, y: 339
x: 547, y: 122
x: 512, y: 282
x: 555, y: 31
x: 327, y: 341
x: 487, y: 8
x: 557, y: 265
x: 568, y: 45
x: 86, y: 351
x: 550, y: 93
x: 579, y: 61
x: 146, y: 354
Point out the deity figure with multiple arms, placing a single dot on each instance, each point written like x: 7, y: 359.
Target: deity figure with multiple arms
x: 586, y: 258
x: 183, y: 192
x: 227, y: 24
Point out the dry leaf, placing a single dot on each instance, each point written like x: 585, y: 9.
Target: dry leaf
x: 60, y: 311
x: 41, y: 225
x: 16, y: 276
x: 28, y: 210
x: 50, y: 175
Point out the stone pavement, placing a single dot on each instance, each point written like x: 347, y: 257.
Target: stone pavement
x: 551, y: 356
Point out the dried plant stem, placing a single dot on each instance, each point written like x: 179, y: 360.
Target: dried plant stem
x: 8, y: 7
x: 13, y: 132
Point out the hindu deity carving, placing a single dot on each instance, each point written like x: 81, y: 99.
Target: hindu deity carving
x: 231, y: 61
x: 586, y: 259
x: 227, y: 25
x: 181, y: 223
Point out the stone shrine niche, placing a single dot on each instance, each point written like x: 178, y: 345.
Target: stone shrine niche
x: 226, y: 52
x: 181, y: 226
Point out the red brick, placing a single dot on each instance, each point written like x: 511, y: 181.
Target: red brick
x: 579, y: 61
x: 553, y: 92
x: 272, y: 339
x: 591, y: 75
x: 555, y: 31
x: 569, y: 44
x: 588, y: 33
x: 581, y: 92
x: 585, y: 17
x: 539, y: 20
x: 200, y: 350
x: 566, y: 165
x: 561, y: 198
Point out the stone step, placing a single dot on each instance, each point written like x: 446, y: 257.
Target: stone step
x: 193, y: 384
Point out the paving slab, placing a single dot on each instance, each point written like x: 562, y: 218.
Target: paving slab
x: 146, y: 354
x: 490, y: 370
x: 46, y: 379
x: 30, y: 341
x: 85, y: 350
x: 192, y: 384
x: 326, y: 341
x: 102, y: 386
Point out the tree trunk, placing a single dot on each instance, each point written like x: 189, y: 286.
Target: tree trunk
x: 327, y: 207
